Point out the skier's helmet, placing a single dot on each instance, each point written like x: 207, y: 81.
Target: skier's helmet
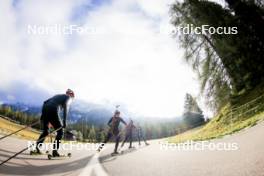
x: 117, y: 112
x: 70, y: 93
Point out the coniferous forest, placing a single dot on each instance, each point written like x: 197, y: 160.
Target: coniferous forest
x: 228, y: 66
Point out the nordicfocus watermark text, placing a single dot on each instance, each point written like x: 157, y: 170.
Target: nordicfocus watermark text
x: 58, y: 29
x: 199, y: 146
x: 205, y: 29
x: 64, y: 146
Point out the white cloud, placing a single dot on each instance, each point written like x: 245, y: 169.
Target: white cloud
x: 130, y: 62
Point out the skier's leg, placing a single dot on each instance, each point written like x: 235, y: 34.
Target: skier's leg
x: 145, y: 140
x: 139, y: 139
x: 56, y: 123
x: 130, y: 140
x: 126, y: 137
x: 108, y: 137
x: 117, y: 143
x: 58, y: 138
x: 45, y: 132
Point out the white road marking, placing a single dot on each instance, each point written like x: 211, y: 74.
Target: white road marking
x: 94, y: 166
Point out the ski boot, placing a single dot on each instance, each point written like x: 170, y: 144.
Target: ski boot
x: 36, y: 152
x: 55, y: 153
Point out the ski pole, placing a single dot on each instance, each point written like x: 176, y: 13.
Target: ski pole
x: 3, y: 137
x: 21, y: 151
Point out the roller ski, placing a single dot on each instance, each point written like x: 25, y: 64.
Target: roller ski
x: 34, y: 152
x: 131, y: 147
x: 56, y: 155
x: 115, y: 153
x: 37, y: 152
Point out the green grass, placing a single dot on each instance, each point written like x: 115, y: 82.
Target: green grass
x: 7, y: 127
x: 215, y: 129
x: 222, y: 124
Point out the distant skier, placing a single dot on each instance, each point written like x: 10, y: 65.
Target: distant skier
x: 140, y: 135
x: 129, y: 133
x: 50, y: 115
x: 113, y: 131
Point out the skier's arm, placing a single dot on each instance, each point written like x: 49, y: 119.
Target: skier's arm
x: 123, y: 121
x: 109, y: 122
x: 65, y: 111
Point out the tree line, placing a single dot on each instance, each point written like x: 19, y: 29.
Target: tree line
x: 85, y: 131
x: 19, y: 117
x: 89, y: 132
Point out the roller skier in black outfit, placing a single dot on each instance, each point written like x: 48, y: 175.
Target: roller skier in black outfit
x: 129, y: 133
x: 50, y: 115
x: 113, y: 131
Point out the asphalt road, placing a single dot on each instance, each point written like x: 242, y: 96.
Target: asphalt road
x: 245, y: 159
x: 25, y: 164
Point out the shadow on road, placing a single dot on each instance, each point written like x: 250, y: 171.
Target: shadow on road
x: 5, y: 156
x: 109, y: 157
x: 7, y: 151
x: 46, y: 169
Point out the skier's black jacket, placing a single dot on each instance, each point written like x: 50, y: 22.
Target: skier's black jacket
x: 56, y: 102
x: 114, y: 124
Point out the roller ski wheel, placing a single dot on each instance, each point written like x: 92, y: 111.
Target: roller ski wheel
x: 68, y: 155
x: 35, y: 152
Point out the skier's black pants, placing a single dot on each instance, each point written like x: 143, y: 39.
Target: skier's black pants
x: 128, y: 137
x: 50, y: 115
x: 110, y: 134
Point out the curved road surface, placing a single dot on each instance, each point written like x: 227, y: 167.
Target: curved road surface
x: 247, y: 160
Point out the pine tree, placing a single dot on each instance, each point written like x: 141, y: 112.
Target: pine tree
x: 192, y: 115
x: 92, y: 134
x: 190, y: 104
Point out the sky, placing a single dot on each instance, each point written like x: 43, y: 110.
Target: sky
x: 126, y: 55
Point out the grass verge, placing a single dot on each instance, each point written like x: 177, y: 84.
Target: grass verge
x: 216, y: 129
x: 250, y: 112
x: 7, y: 127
